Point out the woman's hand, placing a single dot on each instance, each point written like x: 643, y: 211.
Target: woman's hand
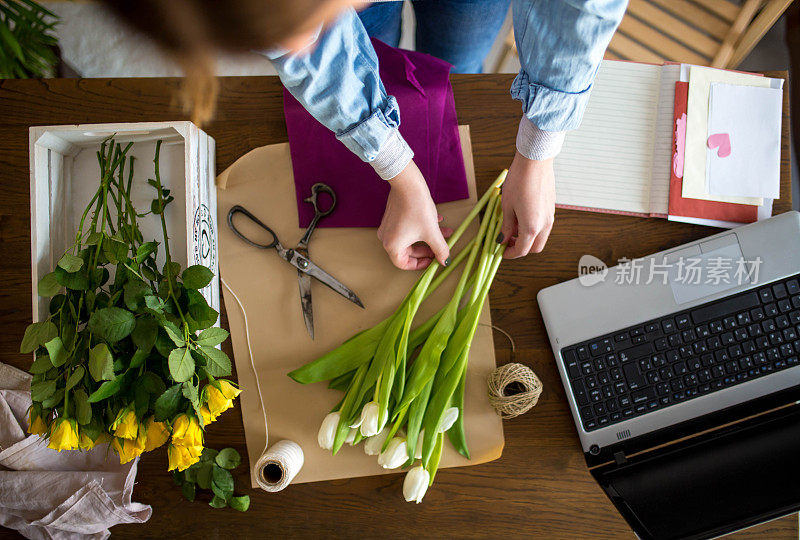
x: 529, y: 199
x: 410, y: 222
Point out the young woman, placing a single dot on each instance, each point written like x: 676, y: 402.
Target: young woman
x: 323, y: 55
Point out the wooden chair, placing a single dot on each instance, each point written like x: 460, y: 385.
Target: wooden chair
x: 717, y: 33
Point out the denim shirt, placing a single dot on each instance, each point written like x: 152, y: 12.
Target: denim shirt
x: 560, y: 45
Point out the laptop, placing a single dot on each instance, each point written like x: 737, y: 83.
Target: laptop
x: 682, y: 375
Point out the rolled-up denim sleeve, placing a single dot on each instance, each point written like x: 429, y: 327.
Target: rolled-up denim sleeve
x: 336, y: 79
x: 560, y: 44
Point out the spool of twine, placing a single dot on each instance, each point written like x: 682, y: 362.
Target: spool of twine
x: 513, y: 390
x: 278, y: 466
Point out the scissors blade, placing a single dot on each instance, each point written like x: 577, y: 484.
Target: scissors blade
x: 325, y: 278
x: 304, y: 281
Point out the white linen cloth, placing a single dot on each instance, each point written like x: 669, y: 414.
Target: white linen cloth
x: 46, y: 494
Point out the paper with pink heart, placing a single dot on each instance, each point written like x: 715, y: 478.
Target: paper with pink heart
x: 722, y: 142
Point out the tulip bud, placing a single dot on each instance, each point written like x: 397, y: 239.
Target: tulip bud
x: 395, y: 454
x: 418, y: 449
x: 369, y: 422
x: 351, y: 436
x: 327, y: 431
x: 416, y: 484
x: 448, y: 419
x: 373, y: 445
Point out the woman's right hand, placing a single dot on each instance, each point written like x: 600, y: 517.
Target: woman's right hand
x: 410, y: 230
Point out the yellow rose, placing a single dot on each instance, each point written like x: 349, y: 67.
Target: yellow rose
x: 36, y: 425
x: 186, y: 431
x: 126, y: 426
x: 64, y: 435
x: 85, y: 442
x: 182, y: 457
x: 220, y: 399
x: 206, y: 415
x: 127, y: 449
x: 157, y: 434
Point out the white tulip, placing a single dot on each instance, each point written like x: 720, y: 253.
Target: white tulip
x: 369, y: 421
x: 374, y: 444
x: 327, y: 431
x: 448, y: 419
x: 418, y: 449
x: 395, y: 454
x: 351, y: 436
x: 416, y: 484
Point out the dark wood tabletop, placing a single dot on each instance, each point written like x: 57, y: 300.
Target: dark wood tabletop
x: 539, y: 487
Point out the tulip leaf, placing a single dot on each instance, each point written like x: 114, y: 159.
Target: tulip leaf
x: 112, y: 323
x: 71, y: 263
x: 75, y: 377
x: 36, y: 335
x: 83, y: 409
x: 228, y: 458
x: 218, y: 502
x: 48, y: 285
x: 101, y: 363
x: 197, y: 276
x: 58, y: 354
x: 181, y: 364
x: 241, y: 503
x: 42, y: 390
x: 107, y: 389
x: 188, y: 489
x: 217, y: 362
x: 211, y: 337
x: 167, y: 403
x: 221, y: 482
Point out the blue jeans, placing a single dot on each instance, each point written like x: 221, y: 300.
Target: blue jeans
x: 459, y: 31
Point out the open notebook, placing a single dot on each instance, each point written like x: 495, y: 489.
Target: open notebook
x: 618, y: 160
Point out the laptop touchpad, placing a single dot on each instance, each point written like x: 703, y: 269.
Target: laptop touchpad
x: 712, y: 267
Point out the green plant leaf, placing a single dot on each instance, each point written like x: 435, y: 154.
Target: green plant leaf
x: 43, y: 390
x: 41, y: 364
x: 174, y: 333
x: 71, y: 263
x: 228, y: 458
x: 93, y: 239
x: 83, y: 409
x: 152, y: 383
x: 191, y: 393
x: 221, y: 482
x: 138, y: 358
x: 58, y: 354
x: 197, y: 276
x: 167, y: 403
x: 54, y: 399
x: 114, y: 250
x: 188, y: 490
x: 218, y: 502
x: 241, y: 503
x: 144, y: 250
x: 101, y: 363
x: 75, y: 377
x: 208, y: 455
x: 107, y: 389
x: 218, y: 364
x: 112, y: 323
x: 36, y: 335
x: 204, y: 474
x: 145, y: 333
x: 181, y: 364
x: 134, y: 293
x: 48, y: 285
x: 211, y: 337
x: 76, y: 281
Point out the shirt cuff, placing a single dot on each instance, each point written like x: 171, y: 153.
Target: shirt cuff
x: 366, y: 139
x: 549, y: 108
x: 538, y: 144
x: 393, y: 156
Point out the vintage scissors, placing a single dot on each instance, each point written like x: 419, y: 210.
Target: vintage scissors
x: 298, y: 257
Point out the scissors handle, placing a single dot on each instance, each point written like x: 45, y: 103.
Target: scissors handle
x: 241, y: 210
x: 316, y: 189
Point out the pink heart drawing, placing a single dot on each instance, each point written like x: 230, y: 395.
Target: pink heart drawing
x: 722, y: 142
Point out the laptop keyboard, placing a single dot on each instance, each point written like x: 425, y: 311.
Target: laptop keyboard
x: 688, y: 354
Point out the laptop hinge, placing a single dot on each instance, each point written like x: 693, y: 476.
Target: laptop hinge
x: 619, y: 457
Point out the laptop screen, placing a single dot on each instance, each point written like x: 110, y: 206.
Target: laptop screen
x: 706, y: 488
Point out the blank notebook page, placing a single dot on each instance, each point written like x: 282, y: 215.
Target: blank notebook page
x: 606, y: 163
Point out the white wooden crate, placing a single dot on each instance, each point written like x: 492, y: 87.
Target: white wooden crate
x: 65, y: 174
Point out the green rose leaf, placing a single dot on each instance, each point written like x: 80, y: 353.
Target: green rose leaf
x: 107, y: 389
x: 93, y: 239
x: 174, y: 333
x: 240, y: 503
x: 101, y: 363
x: 58, y: 353
x: 218, y: 502
x: 48, y: 285
x: 114, y: 250
x: 228, y: 458
x: 71, y: 263
x: 203, y: 314
x: 167, y: 403
x: 181, y: 364
x: 221, y: 482
x: 211, y: 337
x: 191, y: 392
x: 76, y: 377
x: 134, y: 293
x: 76, y: 281
x: 112, y: 323
x: 204, y: 474
x: 188, y: 491
x: 83, y: 409
x: 37, y: 334
x: 197, y: 276
x: 144, y: 250
x: 42, y: 390
x: 144, y: 333
x: 41, y: 364
x: 138, y: 358
x: 53, y: 400
x: 218, y: 364
x: 208, y: 455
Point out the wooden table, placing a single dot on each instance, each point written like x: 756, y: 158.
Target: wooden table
x: 540, y: 486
